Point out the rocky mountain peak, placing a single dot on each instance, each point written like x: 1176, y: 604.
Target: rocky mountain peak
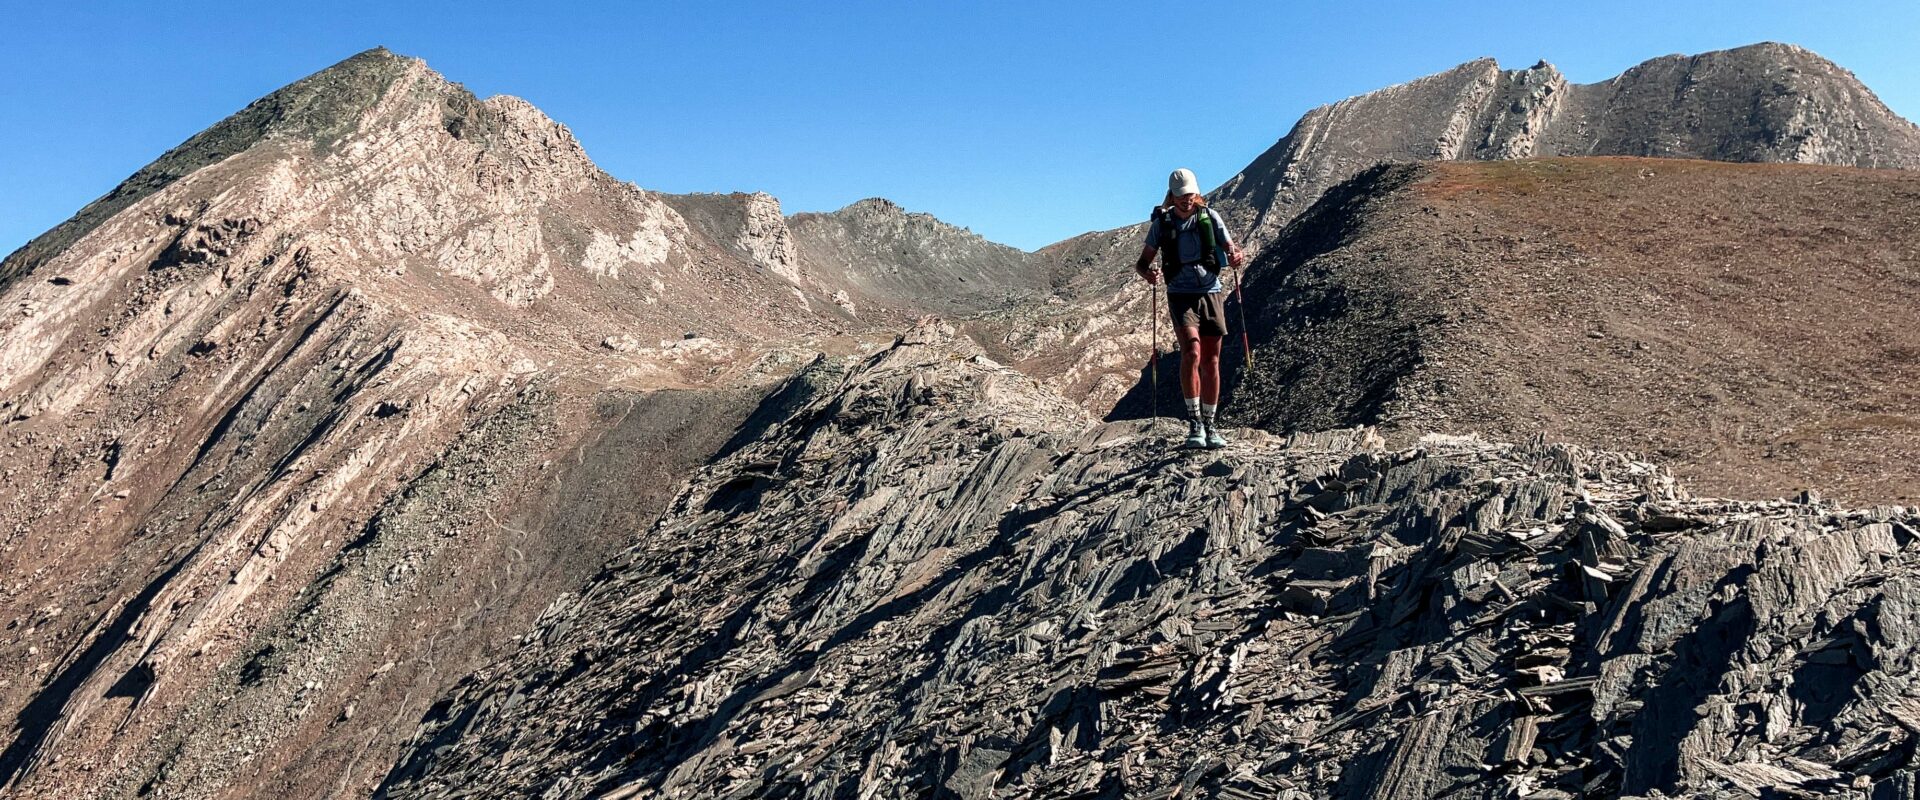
x: 1779, y: 53
x: 884, y: 217
x: 875, y: 206
x: 321, y: 108
x: 361, y: 114
x: 887, y: 253
x: 1765, y: 102
x: 888, y: 219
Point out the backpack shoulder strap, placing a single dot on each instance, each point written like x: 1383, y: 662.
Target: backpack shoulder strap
x: 1163, y: 217
x: 1169, y: 241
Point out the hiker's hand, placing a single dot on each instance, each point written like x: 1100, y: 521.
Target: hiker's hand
x: 1235, y: 257
x: 1150, y: 275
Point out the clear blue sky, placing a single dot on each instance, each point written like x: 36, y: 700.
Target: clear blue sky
x: 1026, y: 121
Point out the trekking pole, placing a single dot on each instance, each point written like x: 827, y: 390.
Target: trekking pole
x: 1246, y: 344
x: 1153, y: 360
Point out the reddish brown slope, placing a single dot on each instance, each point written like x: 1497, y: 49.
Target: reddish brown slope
x: 1751, y: 324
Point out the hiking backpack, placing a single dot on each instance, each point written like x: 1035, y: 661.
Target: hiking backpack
x: 1169, y: 241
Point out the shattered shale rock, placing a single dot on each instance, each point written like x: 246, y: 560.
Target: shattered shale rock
x: 936, y: 578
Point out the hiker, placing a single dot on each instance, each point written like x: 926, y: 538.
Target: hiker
x: 1194, y: 249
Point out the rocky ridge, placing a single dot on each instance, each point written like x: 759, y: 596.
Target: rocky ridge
x: 1766, y: 102
x: 934, y: 576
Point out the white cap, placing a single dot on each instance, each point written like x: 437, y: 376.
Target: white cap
x: 1182, y: 182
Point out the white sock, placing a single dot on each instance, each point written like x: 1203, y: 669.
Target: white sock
x: 1207, y: 410
x: 1193, y: 408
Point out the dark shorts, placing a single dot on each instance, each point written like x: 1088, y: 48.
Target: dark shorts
x: 1208, y: 312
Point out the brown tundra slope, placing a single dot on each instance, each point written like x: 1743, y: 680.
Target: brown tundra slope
x: 1751, y: 325
x: 312, y: 415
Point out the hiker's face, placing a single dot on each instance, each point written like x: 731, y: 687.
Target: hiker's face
x: 1186, y: 203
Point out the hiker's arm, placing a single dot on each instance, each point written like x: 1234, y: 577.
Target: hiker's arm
x: 1234, y: 256
x: 1145, y: 265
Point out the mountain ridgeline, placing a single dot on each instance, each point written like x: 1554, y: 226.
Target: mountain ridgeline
x: 1762, y: 103
x: 320, y: 108
x: 375, y: 443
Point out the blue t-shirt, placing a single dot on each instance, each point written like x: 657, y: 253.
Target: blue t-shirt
x: 1196, y: 278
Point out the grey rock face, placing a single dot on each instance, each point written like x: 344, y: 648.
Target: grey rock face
x: 1765, y: 102
x: 882, y: 253
x: 938, y: 578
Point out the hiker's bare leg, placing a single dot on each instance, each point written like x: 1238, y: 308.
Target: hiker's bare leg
x: 1190, y: 359
x: 1209, y: 370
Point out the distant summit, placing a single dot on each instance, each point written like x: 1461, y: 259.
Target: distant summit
x: 886, y: 252
x: 1766, y: 102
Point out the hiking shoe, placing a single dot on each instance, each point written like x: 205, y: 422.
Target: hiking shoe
x: 1196, y: 434
x: 1214, y: 440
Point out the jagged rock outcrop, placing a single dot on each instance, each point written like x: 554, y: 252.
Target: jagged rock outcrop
x: 932, y: 576
x: 1764, y: 103
x: 1743, y: 323
x: 751, y: 225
